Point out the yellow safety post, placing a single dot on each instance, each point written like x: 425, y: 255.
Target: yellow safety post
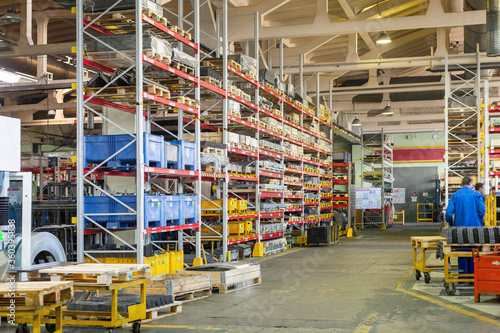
x: 198, y: 261
x: 258, y: 250
x: 349, y: 233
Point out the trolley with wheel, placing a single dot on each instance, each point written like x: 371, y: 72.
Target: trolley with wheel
x: 106, y: 279
x: 422, y: 245
x: 35, y: 303
x: 452, y: 276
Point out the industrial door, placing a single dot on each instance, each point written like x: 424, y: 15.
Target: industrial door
x: 421, y: 180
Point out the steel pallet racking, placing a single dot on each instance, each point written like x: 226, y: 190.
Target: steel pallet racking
x: 143, y: 120
x: 463, y: 124
x: 377, y: 169
x: 150, y: 107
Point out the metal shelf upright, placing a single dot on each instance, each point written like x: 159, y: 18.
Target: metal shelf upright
x: 99, y: 102
x: 377, y: 169
x: 462, y: 123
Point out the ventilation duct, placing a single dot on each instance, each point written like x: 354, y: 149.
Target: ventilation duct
x: 493, y: 28
x: 474, y: 34
x: 28, y: 65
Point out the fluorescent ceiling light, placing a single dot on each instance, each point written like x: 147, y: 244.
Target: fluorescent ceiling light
x: 9, y: 77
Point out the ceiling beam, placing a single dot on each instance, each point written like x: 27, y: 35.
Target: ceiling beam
x: 34, y: 50
x: 350, y: 14
x: 434, y: 18
x: 388, y: 63
x: 264, y: 8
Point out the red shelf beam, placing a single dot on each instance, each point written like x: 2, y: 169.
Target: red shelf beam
x: 274, y: 235
x: 241, y: 240
x: 271, y: 215
x: 171, y: 228
x: 270, y: 174
x: 172, y: 33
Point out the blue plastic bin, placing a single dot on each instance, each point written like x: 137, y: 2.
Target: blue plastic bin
x: 153, y: 211
x: 188, y: 210
x: 99, y: 147
x: 172, y: 210
x: 171, y: 156
x: 186, y: 155
x: 106, y: 205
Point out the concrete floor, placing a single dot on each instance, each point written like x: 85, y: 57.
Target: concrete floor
x: 363, y: 285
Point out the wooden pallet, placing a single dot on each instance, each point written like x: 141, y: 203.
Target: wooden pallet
x: 181, y: 287
x: 113, y: 59
x: 216, y: 64
x: 100, y: 273
x: 240, y: 275
x: 162, y: 312
x: 182, y: 68
x: 125, y: 92
x: 212, y: 81
x: 467, y: 248
x: 185, y: 100
x: 211, y: 150
x: 181, y: 32
x: 31, y: 295
x: 111, y: 19
x: 425, y: 242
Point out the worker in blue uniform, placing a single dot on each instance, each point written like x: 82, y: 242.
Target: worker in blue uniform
x: 468, y: 207
x: 480, y: 189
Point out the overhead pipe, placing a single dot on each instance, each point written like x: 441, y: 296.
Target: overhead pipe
x: 28, y: 65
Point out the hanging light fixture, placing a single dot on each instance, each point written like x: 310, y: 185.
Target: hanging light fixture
x: 11, y: 16
x: 388, y: 111
x: 356, y: 122
x: 383, y: 38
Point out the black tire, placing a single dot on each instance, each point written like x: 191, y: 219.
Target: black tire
x: 475, y: 235
x: 450, y: 289
x: 427, y: 277
x: 51, y: 328
x: 440, y: 217
x: 486, y: 233
x: 468, y: 238
x: 454, y: 235
x: 136, y: 327
x: 418, y: 275
x: 497, y: 235
x: 23, y: 328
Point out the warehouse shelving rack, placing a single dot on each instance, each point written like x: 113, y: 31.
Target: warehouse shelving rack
x: 463, y: 124
x: 187, y: 115
x: 377, y: 169
x: 142, y: 124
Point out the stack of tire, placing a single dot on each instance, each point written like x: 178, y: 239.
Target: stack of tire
x: 473, y: 235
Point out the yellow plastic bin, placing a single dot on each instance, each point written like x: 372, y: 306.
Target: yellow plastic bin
x: 242, y: 206
x: 237, y: 228
x: 176, y: 261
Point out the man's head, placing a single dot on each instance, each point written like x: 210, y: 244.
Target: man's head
x: 480, y: 188
x: 467, y: 182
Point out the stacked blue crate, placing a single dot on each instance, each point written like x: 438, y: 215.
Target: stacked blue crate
x: 110, y: 212
x: 99, y: 147
x: 188, y: 209
x: 186, y: 155
x: 153, y: 211
x: 172, y: 210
